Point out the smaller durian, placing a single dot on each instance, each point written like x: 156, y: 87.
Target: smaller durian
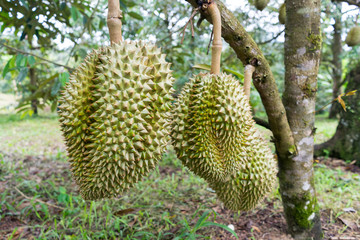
x: 353, y: 37
x: 282, y: 14
x: 261, y: 4
x: 214, y: 134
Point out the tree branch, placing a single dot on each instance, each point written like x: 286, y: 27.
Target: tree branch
x: 41, y: 58
x: 262, y: 122
x: 271, y: 39
x: 350, y: 2
x: 249, y: 53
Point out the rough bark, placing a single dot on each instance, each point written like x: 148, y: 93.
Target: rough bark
x: 303, y: 219
x: 336, y: 48
x: 33, y: 84
x: 345, y: 143
x: 296, y: 175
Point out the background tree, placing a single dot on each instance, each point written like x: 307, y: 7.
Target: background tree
x: 345, y: 143
x: 336, y: 48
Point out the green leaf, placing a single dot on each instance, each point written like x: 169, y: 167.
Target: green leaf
x: 123, y: 6
x: 203, y: 217
x: 3, y: 26
x: 56, y: 87
x: 237, y: 74
x: 6, y: 68
x: 74, y: 13
x: 64, y: 78
x: 20, y: 61
x: 9, y: 65
x: 203, y: 67
x: 22, y: 74
x: 136, y: 15
x: 54, y: 106
x: 31, y: 60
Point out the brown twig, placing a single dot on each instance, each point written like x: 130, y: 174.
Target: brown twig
x: 195, y: 11
x: 262, y: 122
x: 271, y: 39
x: 38, y: 200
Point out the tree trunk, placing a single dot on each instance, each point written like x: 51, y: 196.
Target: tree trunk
x: 296, y: 173
x: 336, y: 48
x: 33, y: 82
x: 345, y: 143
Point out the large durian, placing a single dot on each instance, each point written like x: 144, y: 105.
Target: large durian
x: 282, y: 13
x: 353, y: 37
x: 261, y: 4
x: 215, y: 136
x: 115, y: 117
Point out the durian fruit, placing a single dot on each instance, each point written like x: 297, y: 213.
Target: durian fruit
x: 254, y: 180
x: 207, y: 126
x: 353, y: 37
x: 215, y: 136
x: 282, y: 13
x: 261, y: 4
x: 115, y: 117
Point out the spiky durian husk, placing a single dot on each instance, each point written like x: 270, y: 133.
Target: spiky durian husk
x: 253, y: 181
x: 75, y: 109
x: 353, y: 37
x: 261, y: 4
x: 126, y: 120
x: 214, y: 135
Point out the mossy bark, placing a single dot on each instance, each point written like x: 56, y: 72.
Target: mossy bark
x: 296, y: 175
x: 345, y: 143
x: 336, y: 48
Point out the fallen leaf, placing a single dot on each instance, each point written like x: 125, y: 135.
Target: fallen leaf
x: 349, y: 209
x: 349, y: 223
x: 256, y: 229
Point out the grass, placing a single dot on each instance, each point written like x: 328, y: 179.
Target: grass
x: 39, y: 199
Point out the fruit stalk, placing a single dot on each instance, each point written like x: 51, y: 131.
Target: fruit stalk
x: 248, y: 72
x: 217, y: 42
x: 114, y: 21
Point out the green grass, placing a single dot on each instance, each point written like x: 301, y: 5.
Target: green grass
x: 325, y: 128
x: 36, y: 188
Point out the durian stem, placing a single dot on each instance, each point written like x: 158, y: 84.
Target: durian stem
x: 248, y: 72
x: 114, y: 21
x: 217, y: 42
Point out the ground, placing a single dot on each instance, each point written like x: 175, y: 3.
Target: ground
x: 39, y: 200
